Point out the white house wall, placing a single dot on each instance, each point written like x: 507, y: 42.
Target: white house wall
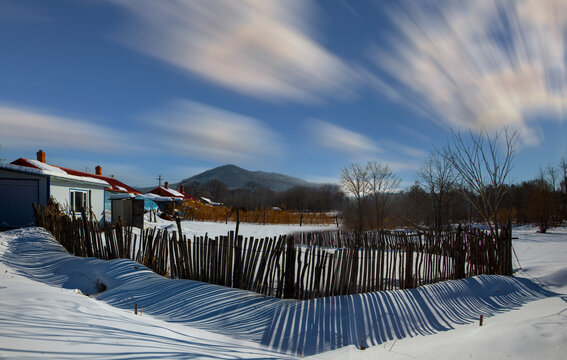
x: 61, y: 190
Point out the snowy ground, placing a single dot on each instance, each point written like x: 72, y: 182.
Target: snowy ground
x: 43, y: 312
x: 200, y: 228
x: 535, y: 330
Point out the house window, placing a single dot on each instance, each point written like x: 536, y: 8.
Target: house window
x: 78, y: 200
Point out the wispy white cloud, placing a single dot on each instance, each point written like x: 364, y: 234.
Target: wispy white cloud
x: 22, y: 127
x: 404, y: 150
x: 200, y: 131
x: 323, y: 179
x: 343, y: 140
x: 256, y: 47
x: 401, y: 166
x: 481, y: 62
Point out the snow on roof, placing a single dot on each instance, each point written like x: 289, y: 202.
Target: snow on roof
x: 48, y: 170
x: 112, y: 184
x: 173, y: 192
x: 155, y: 197
x: 209, y: 201
x: 46, y: 167
x: 22, y: 169
x: 167, y: 192
x: 122, y: 196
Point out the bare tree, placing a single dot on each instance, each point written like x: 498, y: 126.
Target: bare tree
x: 354, y: 180
x: 550, y: 176
x: 381, y: 184
x: 483, y: 163
x: 437, y: 176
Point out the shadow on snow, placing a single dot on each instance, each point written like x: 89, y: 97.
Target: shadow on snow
x: 290, y: 326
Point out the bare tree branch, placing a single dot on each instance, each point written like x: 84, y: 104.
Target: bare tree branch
x: 438, y: 177
x: 354, y: 180
x: 381, y: 182
x: 483, y: 163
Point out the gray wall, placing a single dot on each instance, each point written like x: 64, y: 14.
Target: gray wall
x: 18, y: 191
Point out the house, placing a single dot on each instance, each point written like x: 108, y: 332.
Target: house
x: 165, y: 197
x: 166, y: 192
x: 114, y: 187
x: 26, y: 181
x: 208, y: 201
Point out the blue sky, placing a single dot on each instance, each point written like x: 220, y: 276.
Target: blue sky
x: 298, y: 87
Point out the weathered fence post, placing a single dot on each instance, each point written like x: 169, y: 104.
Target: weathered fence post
x: 289, y: 277
x: 506, y: 243
x: 237, y: 270
x: 178, y: 222
x: 237, y: 223
x: 409, y: 266
x: 459, y: 254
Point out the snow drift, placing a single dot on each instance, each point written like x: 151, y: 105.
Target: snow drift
x: 279, y: 326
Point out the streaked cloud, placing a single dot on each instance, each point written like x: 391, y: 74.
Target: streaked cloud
x: 404, y: 150
x: 481, y: 62
x: 343, y: 140
x: 260, y: 48
x: 23, y: 127
x: 323, y: 179
x: 400, y: 166
x: 200, y: 131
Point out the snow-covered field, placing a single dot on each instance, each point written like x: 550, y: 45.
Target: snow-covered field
x: 200, y: 228
x: 44, y: 310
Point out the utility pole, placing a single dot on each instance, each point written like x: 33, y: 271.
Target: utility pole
x: 160, y: 178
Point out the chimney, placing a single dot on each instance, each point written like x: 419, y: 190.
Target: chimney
x: 98, y: 170
x: 181, y: 189
x: 166, y: 185
x: 41, y: 156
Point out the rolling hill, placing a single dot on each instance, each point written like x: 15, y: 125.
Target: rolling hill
x: 235, y: 177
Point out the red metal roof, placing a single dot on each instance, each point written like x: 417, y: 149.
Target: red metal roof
x: 161, y: 191
x: 115, y: 185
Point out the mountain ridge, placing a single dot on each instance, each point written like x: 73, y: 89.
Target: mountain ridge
x: 235, y: 177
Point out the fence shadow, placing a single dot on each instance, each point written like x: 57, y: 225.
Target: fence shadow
x: 290, y: 326
x: 323, y: 324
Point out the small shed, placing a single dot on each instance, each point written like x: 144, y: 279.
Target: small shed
x: 128, y: 210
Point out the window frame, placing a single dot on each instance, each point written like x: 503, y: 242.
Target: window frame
x: 72, y: 198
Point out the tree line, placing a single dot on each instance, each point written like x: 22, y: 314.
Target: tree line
x: 466, y: 180
x: 254, y: 196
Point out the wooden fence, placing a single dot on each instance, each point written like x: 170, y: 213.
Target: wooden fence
x: 302, y: 265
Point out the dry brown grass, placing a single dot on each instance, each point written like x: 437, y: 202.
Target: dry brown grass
x: 200, y: 212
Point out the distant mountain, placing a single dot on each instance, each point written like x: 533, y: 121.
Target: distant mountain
x: 235, y: 177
